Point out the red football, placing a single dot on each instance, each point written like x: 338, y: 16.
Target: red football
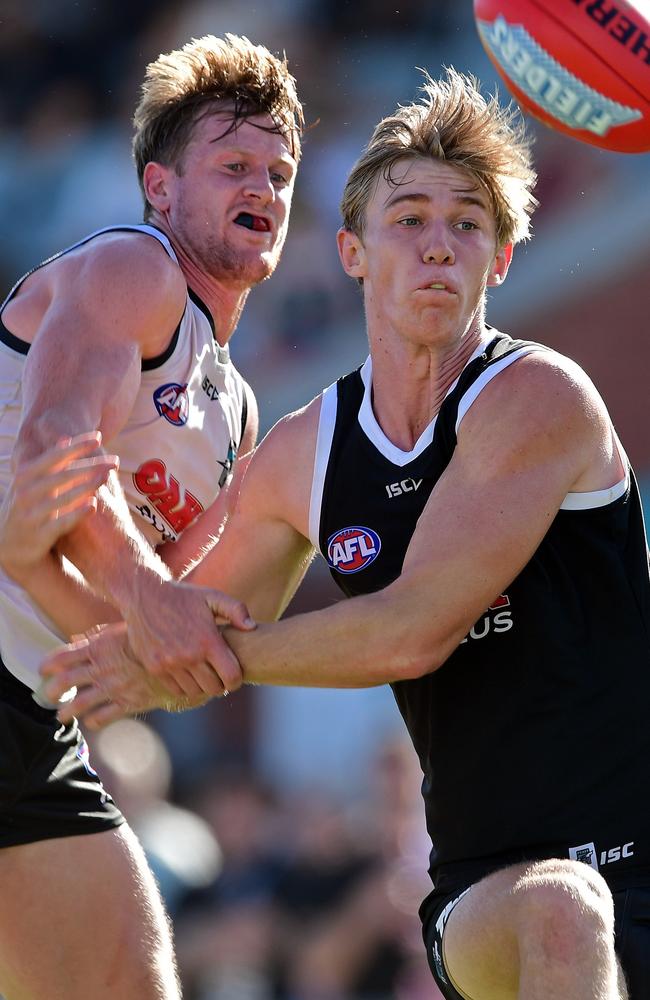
x: 580, y: 66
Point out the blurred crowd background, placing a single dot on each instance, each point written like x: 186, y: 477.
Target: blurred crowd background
x: 285, y: 827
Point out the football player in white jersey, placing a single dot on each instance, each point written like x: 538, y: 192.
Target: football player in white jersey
x: 126, y: 333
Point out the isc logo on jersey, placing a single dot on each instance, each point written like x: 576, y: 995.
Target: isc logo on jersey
x: 352, y: 549
x: 171, y: 402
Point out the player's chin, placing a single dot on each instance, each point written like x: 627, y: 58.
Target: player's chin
x: 261, y: 267
x: 245, y: 269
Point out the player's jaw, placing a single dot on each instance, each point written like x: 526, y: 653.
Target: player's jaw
x: 230, y: 259
x: 436, y: 318
x: 248, y: 237
x: 252, y: 244
x: 241, y: 245
x: 254, y: 237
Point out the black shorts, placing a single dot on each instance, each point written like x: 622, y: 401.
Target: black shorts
x: 632, y: 940
x: 47, y: 785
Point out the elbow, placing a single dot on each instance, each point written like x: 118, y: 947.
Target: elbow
x: 412, y: 660
x: 416, y: 644
x: 415, y: 650
x: 41, y: 427
x: 35, y: 435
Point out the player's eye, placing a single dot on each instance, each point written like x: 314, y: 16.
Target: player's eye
x: 408, y: 221
x: 236, y: 168
x: 466, y: 225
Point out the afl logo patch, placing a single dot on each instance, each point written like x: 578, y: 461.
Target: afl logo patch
x: 172, y: 403
x: 352, y: 549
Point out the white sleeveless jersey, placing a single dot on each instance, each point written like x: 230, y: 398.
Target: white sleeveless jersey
x: 176, y: 449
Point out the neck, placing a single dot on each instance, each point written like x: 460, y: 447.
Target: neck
x: 410, y: 382
x: 224, y: 298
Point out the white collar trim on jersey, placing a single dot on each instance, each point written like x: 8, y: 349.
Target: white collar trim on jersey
x: 375, y: 434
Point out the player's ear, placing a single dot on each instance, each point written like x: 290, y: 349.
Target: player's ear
x: 352, y: 253
x: 500, y: 265
x: 155, y: 182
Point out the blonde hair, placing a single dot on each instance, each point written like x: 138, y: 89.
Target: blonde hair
x: 452, y: 122
x: 182, y: 86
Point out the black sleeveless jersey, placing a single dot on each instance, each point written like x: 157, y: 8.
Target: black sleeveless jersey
x: 534, y: 736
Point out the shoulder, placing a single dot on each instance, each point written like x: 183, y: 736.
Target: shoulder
x: 252, y: 421
x: 123, y: 278
x: 541, y: 387
x: 136, y: 260
x: 541, y: 406
x: 295, y: 434
x: 112, y: 282
x: 279, y: 475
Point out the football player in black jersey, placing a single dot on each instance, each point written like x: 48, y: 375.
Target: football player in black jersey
x: 472, y: 499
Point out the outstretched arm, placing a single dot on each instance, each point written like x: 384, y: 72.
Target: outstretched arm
x: 261, y: 558
x: 537, y: 432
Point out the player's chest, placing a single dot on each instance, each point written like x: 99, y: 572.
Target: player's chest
x: 179, y: 445
x: 369, y: 512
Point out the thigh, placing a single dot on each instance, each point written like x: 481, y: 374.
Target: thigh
x: 632, y: 911
x: 81, y: 917
x: 434, y: 928
x: 472, y: 952
x: 482, y: 935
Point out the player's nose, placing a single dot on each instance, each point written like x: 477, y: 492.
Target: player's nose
x: 436, y: 247
x: 259, y: 185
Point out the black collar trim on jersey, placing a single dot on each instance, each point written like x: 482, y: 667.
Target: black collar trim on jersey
x: 223, y: 353
x: 148, y: 364
x: 22, y: 347
x: 202, y: 306
x: 12, y: 341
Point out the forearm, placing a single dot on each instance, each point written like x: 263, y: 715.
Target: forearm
x: 65, y: 598
x: 359, y: 643
x: 108, y: 550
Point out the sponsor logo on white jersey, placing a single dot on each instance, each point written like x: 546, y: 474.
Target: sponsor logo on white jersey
x: 176, y: 505
x: 172, y: 403
x: 209, y: 388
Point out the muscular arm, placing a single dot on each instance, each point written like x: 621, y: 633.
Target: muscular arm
x: 261, y: 553
x: 264, y: 551
x: 46, y: 498
x: 103, y: 310
x: 536, y: 433
x: 106, y: 309
x: 34, y: 516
